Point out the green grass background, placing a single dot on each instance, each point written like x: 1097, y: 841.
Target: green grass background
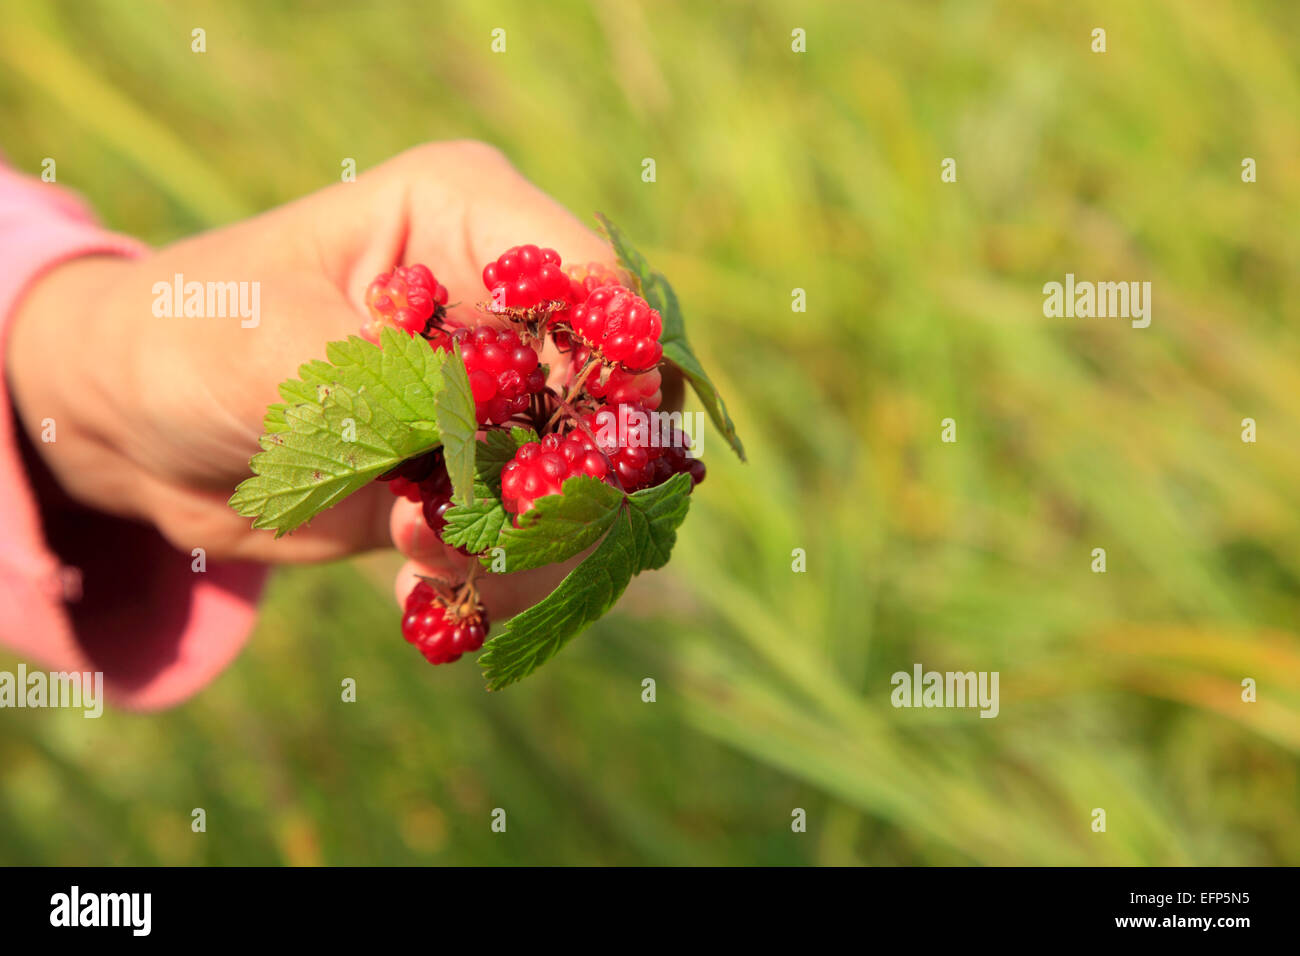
x: 775, y: 171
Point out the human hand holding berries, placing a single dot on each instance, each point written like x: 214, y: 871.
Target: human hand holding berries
x: 157, y: 416
x: 156, y: 408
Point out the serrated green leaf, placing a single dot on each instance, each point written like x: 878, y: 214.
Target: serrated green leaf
x: 458, y: 425
x: 403, y: 371
x: 640, y: 538
x: 476, y: 527
x: 656, y: 514
x: 560, y: 526
x: 342, y: 423
x: 654, y: 288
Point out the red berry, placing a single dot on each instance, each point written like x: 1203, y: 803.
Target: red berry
x: 541, y: 468
x: 435, y: 496
x: 405, y: 298
x: 620, y: 327
x: 642, y: 455
x: 504, y: 373
x: 441, y: 633
x: 617, y: 386
x: 404, y: 488
x: 583, y: 280
x: 435, y: 500
x: 525, y: 277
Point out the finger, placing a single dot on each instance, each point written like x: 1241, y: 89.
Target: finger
x: 190, y: 519
x: 413, y: 537
x: 469, y: 205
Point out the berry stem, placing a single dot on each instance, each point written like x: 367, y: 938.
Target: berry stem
x: 562, y: 408
x: 466, y: 598
x: 574, y: 389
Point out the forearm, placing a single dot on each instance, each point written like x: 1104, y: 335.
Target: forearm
x: 82, y: 589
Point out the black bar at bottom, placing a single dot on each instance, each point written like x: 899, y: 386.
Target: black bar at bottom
x: 334, y: 905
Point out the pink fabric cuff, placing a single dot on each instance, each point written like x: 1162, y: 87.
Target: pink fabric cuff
x: 84, y: 591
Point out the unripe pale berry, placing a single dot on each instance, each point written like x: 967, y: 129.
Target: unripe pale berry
x: 407, y: 298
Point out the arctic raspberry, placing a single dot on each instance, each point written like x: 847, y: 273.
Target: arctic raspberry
x: 619, y: 327
x: 441, y: 632
x: 583, y: 280
x: 504, y: 373
x: 526, y: 278
x: 642, y: 455
x: 434, y: 502
x: 617, y: 386
x: 541, y: 468
x: 407, y: 298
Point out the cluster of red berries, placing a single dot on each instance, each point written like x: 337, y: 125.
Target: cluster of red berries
x: 619, y: 328
x: 611, y: 337
x: 440, y: 628
x: 504, y: 373
x: 641, y: 459
x: 541, y: 468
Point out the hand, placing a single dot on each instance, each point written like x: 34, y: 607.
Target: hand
x: 157, y: 417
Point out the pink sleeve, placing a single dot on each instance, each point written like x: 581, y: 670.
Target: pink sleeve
x: 81, y: 590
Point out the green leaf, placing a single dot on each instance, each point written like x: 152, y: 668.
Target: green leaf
x: 458, y: 424
x: 655, y: 514
x: 560, y: 526
x: 343, y: 423
x: 403, y: 371
x: 477, y: 527
x: 640, y: 538
x: 654, y: 288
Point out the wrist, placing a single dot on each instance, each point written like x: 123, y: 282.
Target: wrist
x: 59, y: 365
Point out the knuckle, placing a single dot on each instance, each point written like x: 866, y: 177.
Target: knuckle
x: 478, y: 152
x: 460, y: 154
